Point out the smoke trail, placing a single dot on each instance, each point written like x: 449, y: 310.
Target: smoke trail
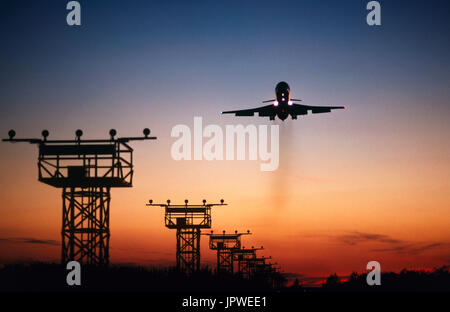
x: 280, y: 187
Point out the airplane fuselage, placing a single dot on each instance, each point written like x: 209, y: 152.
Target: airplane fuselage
x: 282, y: 100
x: 283, y: 106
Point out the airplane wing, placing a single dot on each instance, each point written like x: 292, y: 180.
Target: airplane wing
x: 267, y: 110
x: 299, y: 109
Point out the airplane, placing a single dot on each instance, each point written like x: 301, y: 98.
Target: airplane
x: 283, y: 106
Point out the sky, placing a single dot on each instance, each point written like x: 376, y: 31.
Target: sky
x: 368, y: 183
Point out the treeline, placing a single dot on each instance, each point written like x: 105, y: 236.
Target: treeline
x: 436, y: 280
x: 52, y: 277
x: 41, y: 277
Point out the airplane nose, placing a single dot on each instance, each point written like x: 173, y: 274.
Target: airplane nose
x: 282, y: 86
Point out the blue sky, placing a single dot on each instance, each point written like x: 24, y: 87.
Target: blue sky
x: 173, y: 52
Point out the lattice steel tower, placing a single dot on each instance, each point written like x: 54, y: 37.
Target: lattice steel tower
x: 188, y: 220
x: 85, y: 170
x: 243, y: 257
x: 256, y: 265
x: 225, y: 244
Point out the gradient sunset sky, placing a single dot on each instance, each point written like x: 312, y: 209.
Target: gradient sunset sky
x: 368, y: 183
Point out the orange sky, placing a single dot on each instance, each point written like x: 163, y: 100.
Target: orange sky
x: 324, y: 210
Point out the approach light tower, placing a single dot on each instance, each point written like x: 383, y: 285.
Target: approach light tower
x: 242, y: 257
x: 85, y: 170
x: 255, y: 265
x: 188, y: 220
x: 271, y: 267
x: 225, y: 244
x: 259, y: 264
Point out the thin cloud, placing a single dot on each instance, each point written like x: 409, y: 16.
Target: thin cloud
x: 411, y: 249
x: 393, y: 245
x: 28, y: 240
x: 355, y: 238
x: 293, y: 275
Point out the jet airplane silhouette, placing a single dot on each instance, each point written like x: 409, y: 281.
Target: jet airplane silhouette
x: 283, y: 106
